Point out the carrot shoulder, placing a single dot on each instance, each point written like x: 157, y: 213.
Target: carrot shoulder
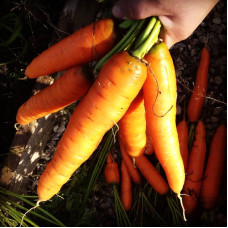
x: 117, y: 84
x: 214, y: 169
x: 85, y: 45
x: 132, y: 127
x: 160, y: 104
x: 63, y: 92
x: 195, y: 170
x: 200, y: 88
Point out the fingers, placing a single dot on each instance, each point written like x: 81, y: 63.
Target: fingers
x: 136, y: 9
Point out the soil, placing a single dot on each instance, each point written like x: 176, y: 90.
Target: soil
x: 186, y: 54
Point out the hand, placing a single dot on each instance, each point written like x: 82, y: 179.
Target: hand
x: 179, y: 17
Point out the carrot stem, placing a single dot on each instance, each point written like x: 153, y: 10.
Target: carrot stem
x: 149, y: 42
x: 121, y: 45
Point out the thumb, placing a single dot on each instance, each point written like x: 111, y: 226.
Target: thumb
x: 136, y: 9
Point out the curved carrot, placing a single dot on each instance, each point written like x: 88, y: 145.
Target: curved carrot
x: 182, y: 130
x: 132, y: 170
x: 160, y: 104
x: 63, y: 92
x: 116, y: 86
x: 132, y: 127
x: 85, y: 45
x: 199, y: 91
x: 126, y: 187
x: 195, y: 170
x: 214, y: 169
x: 152, y: 175
x: 149, y: 149
x: 111, y: 171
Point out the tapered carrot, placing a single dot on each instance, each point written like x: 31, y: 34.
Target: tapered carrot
x: 160, y: 105
x: 132, y: 169
x: 63, y: 92
x: 132, y: 127
x: 195, y: 170
x: 182, y: 130
x: 152, y: 175
x: 126, y: 187
x: 111, y: 171
x: 200, y: 88
x: 116, y: 86
x: 214, y: 169
x: 85, y: 45
x: 149, y: 149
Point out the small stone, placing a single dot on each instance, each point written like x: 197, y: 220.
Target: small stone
x: 55, y: 128
x: 61, y: 128
x: 218, y: 80
x: 217, y: 20
x: 214, y: 119
x: 193, y: 52
x: 178, y: 109
x: 217, y: 111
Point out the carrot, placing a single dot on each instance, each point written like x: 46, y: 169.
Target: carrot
x: 132, y: 127
x: 85, y: 45
x: 199, y: 91
x: 63, y: 92
x: 195, y: 170
x: 116, y: 86
x: 214, y: 169
x: 152, y: 175
x: 132, y: 170
x: 160, y: 104
x: 149, y: 149
x: 126, y: 187
x: 111, y: 171
x: 182, y: 130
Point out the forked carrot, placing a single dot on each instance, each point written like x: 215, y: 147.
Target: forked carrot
x: 132, y: 127
x: 182, y: 130
x: 63, y: 92
x: 152, y: 175
x: 111, y: 171
x: 160, y: 103
x: 133, y: 171
x: 214, y: 169
x: 116, y: 86
x: 195, y: 170
x: 86, y: 44
x: 200, y: 88
x: 126, y: 187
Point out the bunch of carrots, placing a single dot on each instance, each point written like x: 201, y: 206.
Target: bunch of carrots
x: 135, y: 88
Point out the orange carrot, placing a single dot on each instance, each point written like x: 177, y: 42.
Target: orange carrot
x: 85, y: 45
x: 195, y: 170
x: 182, y: 130
x: 132, y: 170
x: 214, y: 169
x: 160, y: 105
x: 116, y: 86
x: 111, y: 171
x: 63, y: 92
x: 149, y: 149
x: 199, y: 91
x: 132, y: 127
x: 152, y: 175
x: 126, y: 187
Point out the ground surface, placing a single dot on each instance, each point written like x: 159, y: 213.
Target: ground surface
x: 39, y: 26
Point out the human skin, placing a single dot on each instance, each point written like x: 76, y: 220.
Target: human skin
x: 179, y: 17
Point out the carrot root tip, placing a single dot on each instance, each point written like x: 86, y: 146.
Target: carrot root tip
x: 16, y: 126
x: 182, y: 206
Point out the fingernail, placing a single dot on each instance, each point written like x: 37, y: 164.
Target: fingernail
x: 116, y: 11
